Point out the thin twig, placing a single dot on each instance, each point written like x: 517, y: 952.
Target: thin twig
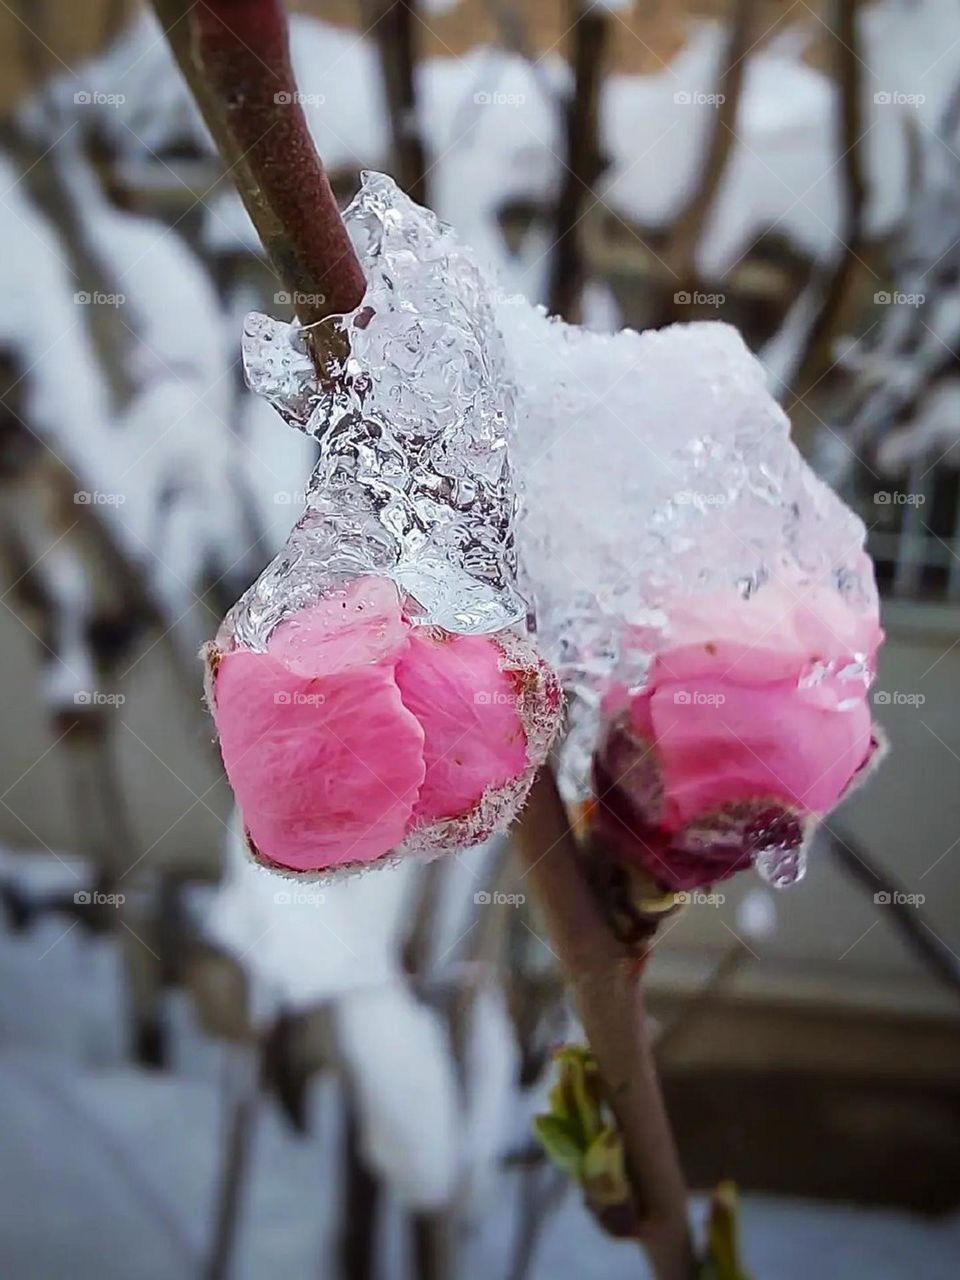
x: 687, y: 230
x: 605, y: 979
x: 584, y: 163
x: 906, y: 919
x: 393, y: 23
x: 433, y: 1240
x: 854, y: 194
x: 235, y: 56
x: 242, y: 1103
x: 730, y: 964
x: 363, y: 1199
x: 542, y: 1190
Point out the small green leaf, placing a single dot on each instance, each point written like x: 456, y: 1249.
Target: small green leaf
x: 723, y: 1254
x: 560, y: 1142
x: 604, y: 1169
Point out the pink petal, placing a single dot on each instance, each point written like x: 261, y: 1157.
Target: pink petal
x: 359, y: 624
x: 474, y: 739
x: 326, y: 770
x: 730, y: 743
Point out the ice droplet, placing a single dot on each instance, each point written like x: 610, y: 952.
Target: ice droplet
x: 781, y: 866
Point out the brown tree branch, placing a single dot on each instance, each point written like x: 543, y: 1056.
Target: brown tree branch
x: 816, y: 354
x: 393, y: 23
x: 605, y: 979
x: 236, y: 1158
x: 362, y: 1204
x: 236, y: 58
x: 584, y: 163
x: 687, y: 230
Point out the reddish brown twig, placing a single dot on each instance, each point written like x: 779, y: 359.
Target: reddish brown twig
x: 235, y: 56
x: 605, y: 979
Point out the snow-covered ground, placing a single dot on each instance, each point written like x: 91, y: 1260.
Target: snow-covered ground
x: 110, y: 1171
x: 109, y: 1174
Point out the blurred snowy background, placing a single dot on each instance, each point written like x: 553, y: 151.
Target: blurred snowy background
x: 208, y: 1072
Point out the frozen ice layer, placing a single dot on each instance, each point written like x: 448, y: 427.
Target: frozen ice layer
x: 413, y: 480
x: 705, y: 598
x: 656, y: 464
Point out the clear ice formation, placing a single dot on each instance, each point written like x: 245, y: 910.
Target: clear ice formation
x: 413, y: 479
x: 653, y: 466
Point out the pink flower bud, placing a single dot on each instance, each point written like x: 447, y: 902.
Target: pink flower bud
x: 356, y: 735
x: 753, y: 723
